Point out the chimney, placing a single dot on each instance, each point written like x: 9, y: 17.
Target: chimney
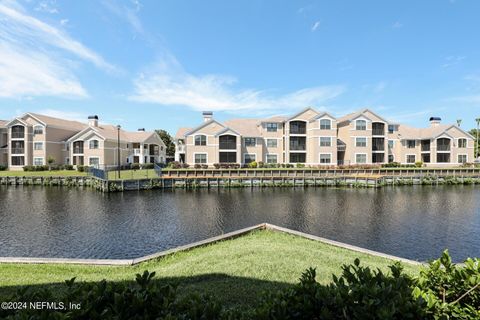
x: 93, y: 121
x: 207, y: 116
x: 141, y: 129
x: 435, y: 121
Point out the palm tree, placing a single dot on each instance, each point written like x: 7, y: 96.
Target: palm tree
x: 459, y: 121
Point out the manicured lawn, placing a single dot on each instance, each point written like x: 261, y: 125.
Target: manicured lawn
x: 56, y: 173
x: 132, y: 174
x: 235, y: 271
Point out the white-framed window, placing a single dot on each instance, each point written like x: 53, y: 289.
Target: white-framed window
x: 411, y: 158
x: 391, y: 144
x: 360, y: 141
x: 249, y: 157
x: 411, y: 144
x: 250, y: 142
x: 462, y: 143
x: 325, y: 141
x: 93, y: 144
x: 462, y: 158
x: 325, y: 158
x: 361, y: 158
x: 201, y: 140
x: 94, y: 161
x: 391, y: 128
x: 200, y: 158
x: 361, y: 124
x: 391, y: 158
x: 325, y: 124
x: 38, y: 146
x: 272, y: 143
x: 271, y: 158
x: 37, y: 129
x: 272, y: 127
x: 38, y: 161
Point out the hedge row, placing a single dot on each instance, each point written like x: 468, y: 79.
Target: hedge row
x: 441, y: 291
x: 47, y: 168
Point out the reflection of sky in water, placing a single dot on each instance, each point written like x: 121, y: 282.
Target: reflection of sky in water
x: 412, y: 222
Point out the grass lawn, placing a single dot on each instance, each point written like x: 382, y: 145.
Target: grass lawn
x: 236, y: 271
x: 55, y: 173
x: 132, y: 174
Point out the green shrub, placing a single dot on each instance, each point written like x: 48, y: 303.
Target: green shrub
x: 81, y: 168
x: 135, y: 166
x: 419, y: 164
x: 3, y: 167
x: 68, y: 167
x: 147, y: 166
x: 252, y: 164
x: 300, y: 165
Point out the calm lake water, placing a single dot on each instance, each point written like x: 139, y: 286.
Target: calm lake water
x: 415, y: 222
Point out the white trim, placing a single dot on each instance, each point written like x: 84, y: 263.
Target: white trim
x: 243, y: 142
x: 361, y: 153
x: 98, y: 147
x: 324, y: 153
x: 38, y: 125
x: 355, y: 141
x: 195, y: 137
x: 457, y: 142
x: 93, y: 157
x: 320, y: 123
x: 411, y: 154
x: 206, y: 157
x: 276, y: 142
x: 43, y: 161
x: 366, y: 124
x: 462, y: 154
x: 40, y: 142
x: 320, y: 141
x: 271, y: 154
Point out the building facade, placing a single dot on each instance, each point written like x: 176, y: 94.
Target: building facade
x: 318, y: 138
x: 33, y: 139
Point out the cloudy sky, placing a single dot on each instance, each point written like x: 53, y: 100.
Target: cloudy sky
x: 157, y: 64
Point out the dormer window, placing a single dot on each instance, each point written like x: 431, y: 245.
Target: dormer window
x: 38, y: 130
x: 361, y: 125
x: 325, y: 124
x: 272, y: 127
x: 93, y: 144
x: 201, y: 140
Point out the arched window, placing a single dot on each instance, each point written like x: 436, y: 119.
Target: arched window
x: 200, y: 140
x: 18, y: 132
x: 361, y: 125
x: 462, y: 143
x: 325, y: 124
x: 228, y: 142
x: 38, y: 129
x: 93, y: 144
x: 443, y: 144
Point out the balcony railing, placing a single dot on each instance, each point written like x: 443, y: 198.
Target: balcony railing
x: 378, y: 147
x: 378, y: 132
x: 18, y: 135
x: 298, y: 147
x: 77, y: 150
x: 18, y: 150
x: 227, y: 146
x: 443, y: 147
x: 425, y: 148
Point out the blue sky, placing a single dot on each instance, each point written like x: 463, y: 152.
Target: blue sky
x: 157, y: 64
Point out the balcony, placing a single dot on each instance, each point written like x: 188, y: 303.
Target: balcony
x: 77, y: 150
x: 297, y: 147
x: 18, y: 150
x: 298, y: 127
x: 378, y: 129
x: 425, y: 146
x: 298, y: 143
x: 18, y: 135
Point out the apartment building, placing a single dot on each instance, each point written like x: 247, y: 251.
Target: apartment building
x: 33, y: 138
x: 319, y: 138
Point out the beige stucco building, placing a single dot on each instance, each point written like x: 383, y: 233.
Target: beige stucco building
x: 33, y: 138
x: 318, y: 138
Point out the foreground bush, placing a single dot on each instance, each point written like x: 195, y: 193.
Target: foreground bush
x: 441, y: 291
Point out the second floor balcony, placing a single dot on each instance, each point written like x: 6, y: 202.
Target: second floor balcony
x: 298, y: 143
x: 77, y: 150
x: 378, y: 129
x: 443, y: 144
x: 18, y: 150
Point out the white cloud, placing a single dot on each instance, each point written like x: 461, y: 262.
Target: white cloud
x: 37, y: 58
x: 397, y: 25
x: 315, y: 26
x: 47, y: 6
x: 64, y: 22
x: 452, y: 61
x: 168, y: 84
x: 69, y: 115
x: 127, y: 13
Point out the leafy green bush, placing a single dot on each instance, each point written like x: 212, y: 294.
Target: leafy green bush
x: 144, y: 299
x: 419, y: 164
x: 253, y: 164
x: 68, y: 167
x: 81, y: 168
x: 3, y: 167
x: 300, y: 165
x: 135, y: 166
x: 147, y: 166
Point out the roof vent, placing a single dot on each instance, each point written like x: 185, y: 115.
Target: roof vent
x: 207, y: 115
x: 435, y: 121
x: 141, y: 129
x: 93, y: 121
